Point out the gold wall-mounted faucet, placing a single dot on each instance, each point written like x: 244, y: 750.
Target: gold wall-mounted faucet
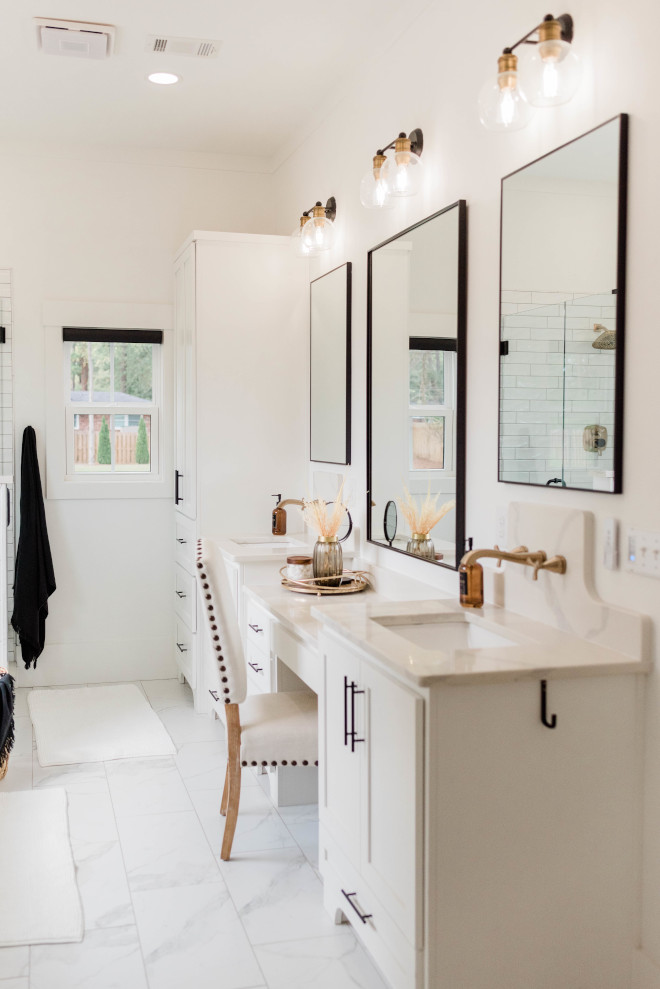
x: 471, y: 573
x: 279, y: 514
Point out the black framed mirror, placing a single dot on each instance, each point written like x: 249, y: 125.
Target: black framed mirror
x: 330, y: 367
x: 562, y: 313
x: 416, y: 385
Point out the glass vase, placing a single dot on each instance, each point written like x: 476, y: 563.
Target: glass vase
x: 328, y: 560
x: 420, y: 544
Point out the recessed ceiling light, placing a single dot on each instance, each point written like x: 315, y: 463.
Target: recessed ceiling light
x: 164, y: 78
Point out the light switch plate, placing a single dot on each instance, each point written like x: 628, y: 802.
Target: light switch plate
x: 643, y: 552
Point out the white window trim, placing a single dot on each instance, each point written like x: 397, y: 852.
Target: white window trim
x: 105, y: 315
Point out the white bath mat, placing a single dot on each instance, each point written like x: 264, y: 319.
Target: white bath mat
x: 39, y: 902
x: 95, y: 724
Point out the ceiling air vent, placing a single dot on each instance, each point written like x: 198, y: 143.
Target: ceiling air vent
x: 79, y: 39
x: 198, y: 47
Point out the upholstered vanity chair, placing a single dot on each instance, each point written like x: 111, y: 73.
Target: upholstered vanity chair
x: 262, y: 729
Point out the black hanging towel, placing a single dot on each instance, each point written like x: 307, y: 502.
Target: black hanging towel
x: 6, y: 718
x: 35, y: 578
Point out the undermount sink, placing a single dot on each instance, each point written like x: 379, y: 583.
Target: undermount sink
x: 266, y: 541
x: 445, y: 632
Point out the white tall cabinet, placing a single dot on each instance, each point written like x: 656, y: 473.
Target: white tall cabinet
x: 241, y: 310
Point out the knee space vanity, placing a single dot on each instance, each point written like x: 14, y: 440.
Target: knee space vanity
x: 471, y: 844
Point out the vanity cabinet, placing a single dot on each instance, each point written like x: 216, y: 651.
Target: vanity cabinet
x: 241, y: 307
x: 470, y: 846
x: 370, y: 805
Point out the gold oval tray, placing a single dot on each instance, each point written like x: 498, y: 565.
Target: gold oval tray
x: 352, y: 582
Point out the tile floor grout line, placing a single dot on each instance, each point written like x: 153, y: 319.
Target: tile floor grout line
x: 224, y: 882
x: 128, y: 885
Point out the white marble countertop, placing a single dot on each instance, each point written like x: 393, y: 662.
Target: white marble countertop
x: 260, y: 548
x: 294, y: 610
x: 543, y: 652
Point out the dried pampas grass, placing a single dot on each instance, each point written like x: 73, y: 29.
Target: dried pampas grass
x: 315, y: 514
x: 423, y: 518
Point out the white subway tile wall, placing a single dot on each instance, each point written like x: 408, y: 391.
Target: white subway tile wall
x: 553, y: 385
x: 7, y: 435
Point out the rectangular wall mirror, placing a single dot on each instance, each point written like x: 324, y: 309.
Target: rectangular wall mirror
x: 330, y: 367
x: 416, y: 362
x: 562, y: 302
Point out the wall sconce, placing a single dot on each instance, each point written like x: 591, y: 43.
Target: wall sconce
x: 547, y: 78
x: 316, y: 232
x: 399, y: 174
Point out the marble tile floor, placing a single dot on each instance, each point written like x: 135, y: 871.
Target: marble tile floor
x: 161, y: 910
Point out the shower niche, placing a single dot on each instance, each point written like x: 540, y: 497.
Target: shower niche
x: 562, y: 285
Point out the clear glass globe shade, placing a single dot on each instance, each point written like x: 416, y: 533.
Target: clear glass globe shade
x: 402, y: 174
x: 318, y: 234
x: 373, y: 193
x: 551, y: 74
x: 503, y: 108
x: 300, y: 248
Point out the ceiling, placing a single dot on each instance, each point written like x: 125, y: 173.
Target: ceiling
x: 277, y: 63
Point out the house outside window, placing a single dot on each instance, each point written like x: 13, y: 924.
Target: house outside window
x: 112, y: 402
x: 432, y: 404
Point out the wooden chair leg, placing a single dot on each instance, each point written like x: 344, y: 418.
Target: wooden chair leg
x: 225, y: 792
x: 233, y: 777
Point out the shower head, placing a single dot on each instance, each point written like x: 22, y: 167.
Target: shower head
x: 606, y: 340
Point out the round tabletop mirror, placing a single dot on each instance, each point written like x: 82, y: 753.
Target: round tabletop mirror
x: 390, y: 521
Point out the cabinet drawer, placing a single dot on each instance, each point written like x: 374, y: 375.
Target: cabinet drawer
x: 184, y: 546
x: 257, y: 626
x: 185, y: 597
x: 397, y: 959
x: 184, y: 652
x: 258, y: 668
x: 305, y: 662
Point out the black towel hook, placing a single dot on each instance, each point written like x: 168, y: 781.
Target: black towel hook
x: 552, y: 723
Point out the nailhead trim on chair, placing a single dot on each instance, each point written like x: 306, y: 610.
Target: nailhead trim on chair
x: 305, y: 762
x: 214, y: 627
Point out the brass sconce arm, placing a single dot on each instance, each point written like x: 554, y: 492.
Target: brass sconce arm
x: 564, y: 32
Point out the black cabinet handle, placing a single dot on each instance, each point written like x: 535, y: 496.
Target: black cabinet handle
x: 182, y: 541
x: 180, y: 646
x: 256, y: 667
x: 255, y: 628
x: 353, y: 733
x: 350, y: 732
x: 180, y: 594
x: 214, y: 695
x: 364, y: 917
x: 177, y: 478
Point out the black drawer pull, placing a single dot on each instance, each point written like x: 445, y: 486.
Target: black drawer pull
x: 180, y: 594
x: 182, y: 541
x: 255, y: 628
x: 180, y: 646
x: 256, y: 667
x: 364, y: 917
x: 177, y: 496
x: 214, y: 695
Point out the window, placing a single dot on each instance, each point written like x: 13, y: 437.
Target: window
x: 431, y: 403
x: 113, y: 386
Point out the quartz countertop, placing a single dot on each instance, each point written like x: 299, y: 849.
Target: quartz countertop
x: 272, y: 549
x: 542, y: 652
x: 294, y: 610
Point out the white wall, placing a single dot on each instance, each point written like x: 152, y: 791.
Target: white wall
x: 105, y: 229
x: 431, y: 80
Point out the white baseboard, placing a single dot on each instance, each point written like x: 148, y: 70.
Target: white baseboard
x: 109, y: 661
x: 646, y: 973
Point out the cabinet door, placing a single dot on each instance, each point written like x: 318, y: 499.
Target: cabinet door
x: 392, y: 798
x: 185, y: 433
x: 339, y: 758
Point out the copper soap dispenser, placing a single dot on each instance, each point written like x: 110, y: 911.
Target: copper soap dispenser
x: 279, y: 518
